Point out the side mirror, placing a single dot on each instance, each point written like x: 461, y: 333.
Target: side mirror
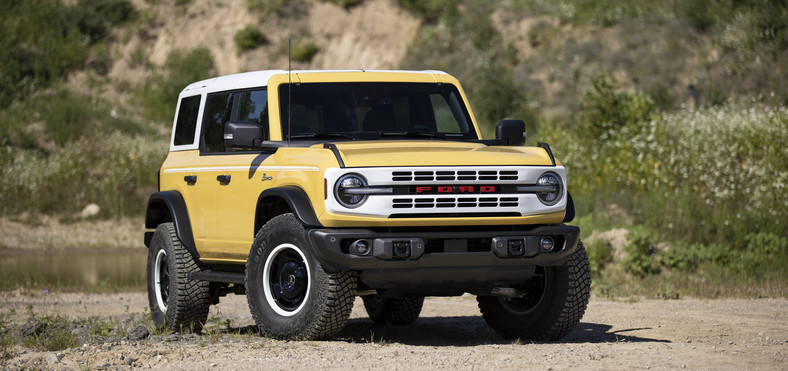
x: 510, y: 132
x: 243, y: 134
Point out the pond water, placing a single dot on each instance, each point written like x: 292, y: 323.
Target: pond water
x: 95, y: 270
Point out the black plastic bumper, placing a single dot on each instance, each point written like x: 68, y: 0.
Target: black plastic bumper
x: 448, y: 263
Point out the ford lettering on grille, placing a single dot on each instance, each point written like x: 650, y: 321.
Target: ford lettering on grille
x: 454, y: 189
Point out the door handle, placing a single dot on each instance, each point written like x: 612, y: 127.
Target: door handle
x: 224, y: 179
x: 190, y: 179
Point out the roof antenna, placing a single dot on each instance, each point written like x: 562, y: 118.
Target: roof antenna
x: 289, y: 87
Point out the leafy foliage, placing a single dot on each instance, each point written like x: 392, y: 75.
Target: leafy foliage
x: 304, y: 50
x: 45, y: 40
x: 248, y: 38
x: 161, y: 89
x: 344, y: 4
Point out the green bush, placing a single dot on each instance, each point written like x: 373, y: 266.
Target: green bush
x: 43, y: 41
x: 248, y: 38
x: 640, y: 259
x: 265, y: 6
x: 115, y: 171
x: 161, y: 89
x: 344, y: 4
x: 606, y: 110
x: 429, y: 10
x: 685, y: 258
x: 304, y: 51
x: 60, y: 117
x: 95, y: 18
x: 600, y: 254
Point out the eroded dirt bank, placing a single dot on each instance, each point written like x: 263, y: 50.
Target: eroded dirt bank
x: 647, y: 334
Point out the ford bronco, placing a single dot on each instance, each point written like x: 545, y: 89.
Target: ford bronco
x: 303, y: 190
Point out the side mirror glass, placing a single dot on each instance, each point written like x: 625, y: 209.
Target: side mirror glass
x: 510, y: 132
x: 243, y: 134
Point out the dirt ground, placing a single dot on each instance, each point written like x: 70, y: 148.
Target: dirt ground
x: 647, y: 334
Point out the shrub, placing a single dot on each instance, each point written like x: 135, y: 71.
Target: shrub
x: 600, y: 254
x: 115, y: 171
x: 344, y: 4
x: 640, y: 256
x: 161, y: 89
x: 605, y: 110
x: 248, y: 38
x: 304, y: 51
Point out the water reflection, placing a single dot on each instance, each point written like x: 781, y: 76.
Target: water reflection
x: 92, y: 270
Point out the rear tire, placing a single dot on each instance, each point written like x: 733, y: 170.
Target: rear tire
x: 176, y: 303
x: 555, y: 302
x: 289, y: 294
x: 393, y: 311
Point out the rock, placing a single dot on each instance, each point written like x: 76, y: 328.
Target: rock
x: 32, y: 327
x: 54, y: 358
x: 90, y: 210
x: 138, y: 333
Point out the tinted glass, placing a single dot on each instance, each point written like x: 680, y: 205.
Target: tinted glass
x: 187, y: 120
x: 253, y: 107
x: 361, y: 109
x: 218, y: 110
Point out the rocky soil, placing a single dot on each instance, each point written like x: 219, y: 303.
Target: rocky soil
x: 643, y: 334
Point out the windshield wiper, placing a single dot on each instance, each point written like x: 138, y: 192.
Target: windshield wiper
x: 322, y: 135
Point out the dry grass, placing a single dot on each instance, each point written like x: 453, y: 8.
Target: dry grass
x: 49, y: 232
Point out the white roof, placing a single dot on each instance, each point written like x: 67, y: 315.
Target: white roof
x: 260, y: 78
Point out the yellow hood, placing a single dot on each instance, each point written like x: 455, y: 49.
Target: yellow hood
x: 437, y: 153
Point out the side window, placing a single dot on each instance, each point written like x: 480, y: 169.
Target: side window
x: 253, y: 107
x: 187, y: 120
x: 218, y: 110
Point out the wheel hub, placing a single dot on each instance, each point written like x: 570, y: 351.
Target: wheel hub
x: 288, y: 279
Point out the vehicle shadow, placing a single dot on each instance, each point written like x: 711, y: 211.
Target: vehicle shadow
x: 469, y: 331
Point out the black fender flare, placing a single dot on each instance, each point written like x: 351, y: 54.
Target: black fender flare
x: 570, y: 208
x: 168, y: 206
x: 296, y: 199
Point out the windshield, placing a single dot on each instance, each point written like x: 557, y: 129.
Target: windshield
x: 367, y: 110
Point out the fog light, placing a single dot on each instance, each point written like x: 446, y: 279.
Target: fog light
x: 547, y: 244
x: 360, y: 247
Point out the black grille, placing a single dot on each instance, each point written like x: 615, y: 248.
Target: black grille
x: 452, y: 175
x: 452, y: 202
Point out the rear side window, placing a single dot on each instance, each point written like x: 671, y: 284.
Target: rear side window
x: 186, y: 124
x: 218, y: 111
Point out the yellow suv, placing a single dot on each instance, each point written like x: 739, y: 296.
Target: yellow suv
x: 305, y: 189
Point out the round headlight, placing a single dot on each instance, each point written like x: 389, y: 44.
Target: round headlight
x: 552, y: 180
x: 343, y: 190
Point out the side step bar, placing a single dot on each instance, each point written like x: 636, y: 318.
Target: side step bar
x: 225, y: 277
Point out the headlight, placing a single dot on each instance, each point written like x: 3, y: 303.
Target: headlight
x: 553, y: 181
x: 345, y: 187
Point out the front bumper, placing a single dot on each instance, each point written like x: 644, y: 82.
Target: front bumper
x: 443, y: 262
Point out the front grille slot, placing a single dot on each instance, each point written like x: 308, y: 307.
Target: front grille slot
x: 452, y: 175
x: 453, y: 202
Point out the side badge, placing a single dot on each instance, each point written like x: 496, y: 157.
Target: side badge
x: 267, y: 177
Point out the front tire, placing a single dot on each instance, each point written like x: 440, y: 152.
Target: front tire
x: 176, y: 302
x: 393, y: 311
x: 290, y: 296
x: 555, y: 301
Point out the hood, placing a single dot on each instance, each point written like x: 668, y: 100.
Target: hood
x: 438, y: 153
